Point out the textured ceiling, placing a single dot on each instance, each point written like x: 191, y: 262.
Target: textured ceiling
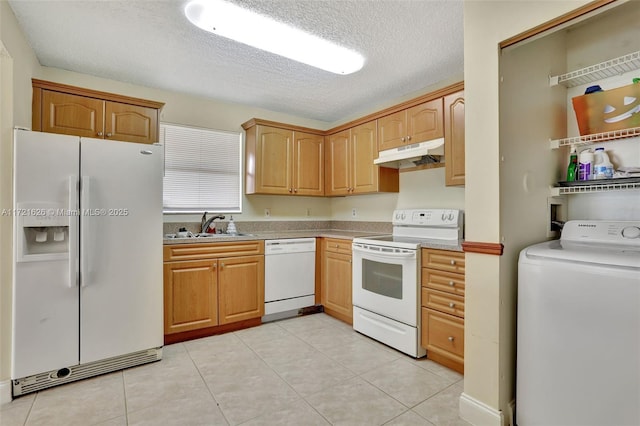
x: 408, y: 45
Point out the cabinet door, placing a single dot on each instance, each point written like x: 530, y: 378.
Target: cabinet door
x: 274, y: 157
x: 443, y: 337
x: 71, y: 114
x: 454, y: 139
x: 336, y: 286
x: 190, y: 295
x: 392, y: 130
x: 130, y: 123
x: 364, y: 149
x: 309, y: 164
x: 425, y: 121
x: 338, y: 168
x: 241, y: 283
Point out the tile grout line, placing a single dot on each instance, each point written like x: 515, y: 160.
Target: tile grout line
x: 206, y: 384
x: 282, y: 378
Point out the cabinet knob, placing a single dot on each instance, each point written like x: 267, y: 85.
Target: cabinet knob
x: 109, y: 135
x: 450, y: 338
x: 453, y: 262
x: 452, y: 305
x: 213, y: 267
x: 295, y: 190
x: 402, y: 139
x: 337, y: 246
x: 408, y: 138
x: 221, y: 265
x: 451, y: 283
x: 99, y: 133
x: 290, y: 190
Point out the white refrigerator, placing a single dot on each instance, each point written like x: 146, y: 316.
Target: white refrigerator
x: 87, y: 278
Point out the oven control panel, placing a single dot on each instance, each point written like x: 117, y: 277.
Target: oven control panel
x: 428, y: 217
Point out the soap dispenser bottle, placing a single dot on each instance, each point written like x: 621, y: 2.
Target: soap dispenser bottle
x: 231, y: 227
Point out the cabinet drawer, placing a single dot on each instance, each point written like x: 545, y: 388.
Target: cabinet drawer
x: 443, y: 334
x: 443, y: 302
x: 337, y: 246
x: 212, y: 250
x: 444, y: 281
x: 444, y: 260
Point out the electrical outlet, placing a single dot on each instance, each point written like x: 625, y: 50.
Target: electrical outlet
x: 354, y: 213
x: 267, y: 212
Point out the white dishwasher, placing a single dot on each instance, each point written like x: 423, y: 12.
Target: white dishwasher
x: 289, y: 276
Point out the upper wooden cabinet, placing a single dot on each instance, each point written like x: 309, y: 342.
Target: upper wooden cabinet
x: 412, y: 125
x: 454, y: 139
x: 349, y: 163
x: 283, y: 161
x: 59, y: 108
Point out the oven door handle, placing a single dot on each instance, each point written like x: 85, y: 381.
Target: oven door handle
x: 386, y: 251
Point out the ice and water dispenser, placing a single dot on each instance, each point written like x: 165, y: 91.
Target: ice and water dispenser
x: 43, y: 231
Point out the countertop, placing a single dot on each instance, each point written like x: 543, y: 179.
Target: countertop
x: 323, y: 233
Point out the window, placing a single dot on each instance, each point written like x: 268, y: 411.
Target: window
x: 202, y: 170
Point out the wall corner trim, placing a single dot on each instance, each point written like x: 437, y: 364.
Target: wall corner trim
x: 479, y: 413
x: 483, y: 248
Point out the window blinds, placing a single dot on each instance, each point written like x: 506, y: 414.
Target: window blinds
x: 202, y: 170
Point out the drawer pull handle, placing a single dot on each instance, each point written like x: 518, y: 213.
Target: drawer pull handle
x: 451, y: 283
x: 453, y: 262
x: 452, y: 305
x: 450, y: 338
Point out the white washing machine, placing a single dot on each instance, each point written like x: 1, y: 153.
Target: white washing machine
x: 578, y: 359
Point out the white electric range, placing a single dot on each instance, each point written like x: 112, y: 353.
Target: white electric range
x: 386, y: 275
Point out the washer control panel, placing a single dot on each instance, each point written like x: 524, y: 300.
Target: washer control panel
x: 602, y: 231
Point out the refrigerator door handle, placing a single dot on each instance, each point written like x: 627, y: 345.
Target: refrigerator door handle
x: 73, y: 231
x: 85, y: 207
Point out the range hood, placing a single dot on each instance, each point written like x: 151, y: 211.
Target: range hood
x: 411, y: 155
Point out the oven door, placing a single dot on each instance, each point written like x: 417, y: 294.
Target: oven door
x: 385, y: 281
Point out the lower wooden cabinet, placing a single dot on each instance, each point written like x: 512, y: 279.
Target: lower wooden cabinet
x: 442, y: 312
x: 240, y: 288
x: 190, y: 295
x: 336, y: 278
x: 215, y: 285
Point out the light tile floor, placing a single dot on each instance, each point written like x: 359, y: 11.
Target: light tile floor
x: 310, y: 370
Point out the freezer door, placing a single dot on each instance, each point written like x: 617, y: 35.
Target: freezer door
x: 120, y: 248
x: 45, y: 292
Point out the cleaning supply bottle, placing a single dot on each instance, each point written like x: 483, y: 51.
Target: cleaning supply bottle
x: 585, y: 165
x: 602, y: 168
x: 573, y: 166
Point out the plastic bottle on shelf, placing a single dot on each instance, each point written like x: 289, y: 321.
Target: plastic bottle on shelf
x: 573, y: 166
x: 585, y: 165
x: 602, y: 168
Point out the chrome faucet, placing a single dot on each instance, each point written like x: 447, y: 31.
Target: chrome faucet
x: 204, y: 224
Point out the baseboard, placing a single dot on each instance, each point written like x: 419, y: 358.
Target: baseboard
x: 478, y: 413
x: 5, y: 392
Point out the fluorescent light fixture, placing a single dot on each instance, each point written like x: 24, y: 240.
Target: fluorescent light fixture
x: 230, y: 21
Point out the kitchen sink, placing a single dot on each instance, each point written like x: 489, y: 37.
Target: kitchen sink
x: 222, y: 235
x: 206, y: 236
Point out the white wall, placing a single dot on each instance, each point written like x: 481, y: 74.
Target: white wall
x: 17, y: 64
